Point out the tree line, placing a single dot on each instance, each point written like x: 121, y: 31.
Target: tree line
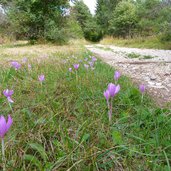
x: 57, y: 20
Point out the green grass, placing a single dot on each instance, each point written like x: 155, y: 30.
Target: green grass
x: 133, y: 55
x: 139, y: 42
x: 63, y: 124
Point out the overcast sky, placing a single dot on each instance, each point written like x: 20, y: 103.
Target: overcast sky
x: 91, y: 4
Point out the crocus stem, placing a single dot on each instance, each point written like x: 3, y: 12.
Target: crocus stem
x: 142, y: 97
x: 110, y: 111
x: 108, y: 106
x: 3, y: 154
x: 76, y: 77
x: 10, y: 107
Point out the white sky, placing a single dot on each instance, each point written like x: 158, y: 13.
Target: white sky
x: 91, y: 4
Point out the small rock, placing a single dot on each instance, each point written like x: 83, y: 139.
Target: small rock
x: 152, y: 77
x: 151, y: 83
x: 158, y: 84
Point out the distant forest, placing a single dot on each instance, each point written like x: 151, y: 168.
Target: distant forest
x: 58, y: 21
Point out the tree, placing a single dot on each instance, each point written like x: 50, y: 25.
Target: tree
x: 35, y: 19
x: 87, y: 22
x: 124, y: 19
x: 82, y: 13
x: 154, y: 17
x: 103, y: 12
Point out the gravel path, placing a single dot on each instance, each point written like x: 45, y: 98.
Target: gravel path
x: 148, y: 66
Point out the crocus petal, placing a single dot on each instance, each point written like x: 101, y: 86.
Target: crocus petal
x: 3, y: 127
x: 9, y: 122
x: 5, y: 92
x: 107, y: 94
x: 117, y: 89
x: 8, y: 93
x: 111, y: 89
x: 11, y: 92
x: 142, y: 88
x: 117, y: 75
x: 10, y: 100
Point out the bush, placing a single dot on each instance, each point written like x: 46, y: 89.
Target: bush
x: 166, y: 36
x: 93, y: 32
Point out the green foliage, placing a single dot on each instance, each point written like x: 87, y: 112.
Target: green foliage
x: 124, y: 20
x: 166, y: 35
x: 90, y: 29
x: 103, y: 13
x: 135, y: 18
x: 29, y: 19
x: 73, y: 28
x: 153, y: 16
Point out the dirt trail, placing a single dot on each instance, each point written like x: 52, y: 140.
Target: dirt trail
x: 147, y: 66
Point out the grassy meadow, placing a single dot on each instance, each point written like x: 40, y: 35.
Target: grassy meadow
x: 62, y: 124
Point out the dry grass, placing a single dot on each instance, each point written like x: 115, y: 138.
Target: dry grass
x: 18, y: 50
x: 139, y: 42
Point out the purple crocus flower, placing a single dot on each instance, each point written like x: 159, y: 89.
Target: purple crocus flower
x: 41, y: 78
x: 107, y: 95
x: 91, y: 64
x: 86, y: 66
x: 8, y: 93
x: 113, y: 89
x: 29, y: 66
x: 24, y: 60
x: 76, y: 66
x: 5, y: 126
x: 142, y: 88
x: 16, y: 65
x: 70, y: 69
x: 117, y: 75
x: 94, y: 59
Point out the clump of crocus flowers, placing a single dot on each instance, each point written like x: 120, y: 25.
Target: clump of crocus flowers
x: 109, y: 94
x: 4, y: 127
x: 16, y: 65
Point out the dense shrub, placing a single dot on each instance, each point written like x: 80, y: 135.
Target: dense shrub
x: 166, y: 35
x: 92, y: 32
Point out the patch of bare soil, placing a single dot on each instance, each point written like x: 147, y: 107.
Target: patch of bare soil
x: 155, y: 72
